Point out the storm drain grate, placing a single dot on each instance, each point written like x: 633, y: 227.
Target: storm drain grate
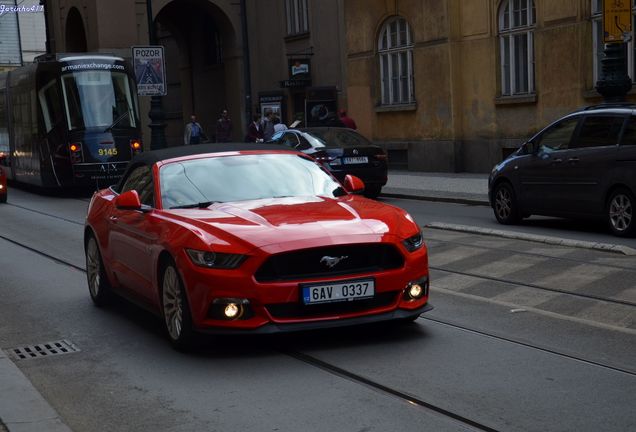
x: 47, y: 349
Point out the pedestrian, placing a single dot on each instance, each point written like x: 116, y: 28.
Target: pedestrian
x: 255, y: 130
x: 278, y: 125
x: 346, y: 120
x: 268, y: 125
x: 224, y: 128
x: 193, y: 132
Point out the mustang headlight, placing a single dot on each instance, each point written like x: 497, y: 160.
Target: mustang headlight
x: 413, y: 243
x: 211, y: 259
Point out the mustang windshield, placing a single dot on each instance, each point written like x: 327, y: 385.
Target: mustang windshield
x: 98, y: 99
x: 243, y: 177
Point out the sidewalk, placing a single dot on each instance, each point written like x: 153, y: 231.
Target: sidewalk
x: 448, y: 187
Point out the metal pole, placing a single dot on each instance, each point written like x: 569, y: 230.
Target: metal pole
x: 156, y: 114
x: 17, y: 21
x: 48, y: 43
x: 247, y: 77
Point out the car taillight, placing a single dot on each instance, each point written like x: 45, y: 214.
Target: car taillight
x: 323, y: 158
x: 75, y: 152
x: 381, y: 156
x: 136, y: 146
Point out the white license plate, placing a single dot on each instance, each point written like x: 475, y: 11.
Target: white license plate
x: 356, y: 160
x: 338, y: 291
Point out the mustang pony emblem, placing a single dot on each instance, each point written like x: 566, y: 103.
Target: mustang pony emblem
x: 332, y: 261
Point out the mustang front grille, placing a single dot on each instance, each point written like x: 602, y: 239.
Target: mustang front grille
x: 328, y: 261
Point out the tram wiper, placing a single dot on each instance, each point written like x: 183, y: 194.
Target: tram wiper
x: 117, y: 120
x: 200, y: 205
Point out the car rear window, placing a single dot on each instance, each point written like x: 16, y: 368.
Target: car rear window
x: 341, y: 138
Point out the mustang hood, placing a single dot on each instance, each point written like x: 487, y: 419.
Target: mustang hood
x: 302, y: 219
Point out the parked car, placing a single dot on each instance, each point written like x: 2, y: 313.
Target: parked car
x: 582, y: 165
x: 252, y: 239
x: 343, y: 151
x: 3, y: 186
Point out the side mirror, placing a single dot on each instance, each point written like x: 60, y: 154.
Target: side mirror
x: 128, y: 201
x: 353, y: 184
x: 531, y: 147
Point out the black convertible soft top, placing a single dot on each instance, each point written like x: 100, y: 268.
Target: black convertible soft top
x: 151, y: 157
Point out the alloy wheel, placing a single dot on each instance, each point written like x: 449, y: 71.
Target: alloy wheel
x: 93, y: 268
x: 503, y: 203
x: 172, y: 303
x: 621, y: 212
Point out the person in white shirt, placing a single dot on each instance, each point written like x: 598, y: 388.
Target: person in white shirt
x: 278, y: 125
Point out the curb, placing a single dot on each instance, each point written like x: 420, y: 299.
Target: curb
x: 603, y: 247
x: 444, y: 199
x: 22, y: 407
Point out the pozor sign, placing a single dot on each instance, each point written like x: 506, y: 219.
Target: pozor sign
x: 150, y: 70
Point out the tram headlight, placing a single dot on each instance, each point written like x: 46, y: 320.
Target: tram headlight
x: 75, y: 152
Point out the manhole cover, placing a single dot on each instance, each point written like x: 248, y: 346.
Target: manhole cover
x: 47, y: 349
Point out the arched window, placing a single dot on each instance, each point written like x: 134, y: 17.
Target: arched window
x: 395, y: 50
x: 516, y: 26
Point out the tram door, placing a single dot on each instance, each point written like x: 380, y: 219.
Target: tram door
x: 53, y: 132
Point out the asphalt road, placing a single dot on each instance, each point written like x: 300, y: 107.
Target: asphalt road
x: 482, y: 216
x: 482, y: 360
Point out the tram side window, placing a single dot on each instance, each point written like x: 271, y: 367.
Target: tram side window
x: 51, y: 105
x: 4, y: 127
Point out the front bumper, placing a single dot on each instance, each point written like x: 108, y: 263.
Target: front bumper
x: 275, y: 328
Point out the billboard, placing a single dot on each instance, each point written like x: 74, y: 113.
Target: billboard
x: 150, y: 70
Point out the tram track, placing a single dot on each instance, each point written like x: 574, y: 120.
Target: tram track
x: 581, y: 295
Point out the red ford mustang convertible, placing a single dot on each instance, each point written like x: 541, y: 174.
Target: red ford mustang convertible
x: 247, y: 239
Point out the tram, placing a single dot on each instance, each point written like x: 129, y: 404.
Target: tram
x: 69, y: 120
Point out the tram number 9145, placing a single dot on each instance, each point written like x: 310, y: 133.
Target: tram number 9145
x: 107, y: 152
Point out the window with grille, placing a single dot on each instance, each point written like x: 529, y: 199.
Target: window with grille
x: 395, y: 51
x: 517, y: 20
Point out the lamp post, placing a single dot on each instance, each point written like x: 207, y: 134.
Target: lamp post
x: 614, y: 83
x: 156, y: 114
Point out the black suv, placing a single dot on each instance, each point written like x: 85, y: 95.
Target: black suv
x: 582, y: 165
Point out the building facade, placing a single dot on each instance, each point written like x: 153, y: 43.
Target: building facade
x: 297, y: 58
x: 455, y: 85
x: 203, y: 50
x: 296, y: 53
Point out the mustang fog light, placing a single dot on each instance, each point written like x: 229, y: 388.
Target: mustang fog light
x: 417, y: 289
x: 230, y: 309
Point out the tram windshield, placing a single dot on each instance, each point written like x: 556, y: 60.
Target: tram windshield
x: 99, y: 99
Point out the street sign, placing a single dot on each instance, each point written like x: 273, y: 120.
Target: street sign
x: 150, y: 70
x: 617, y: 20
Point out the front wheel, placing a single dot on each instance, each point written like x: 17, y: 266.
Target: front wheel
x: 176, y: 311
x: 620, y: 212
x: 98, y: 285
x: 505, y: 204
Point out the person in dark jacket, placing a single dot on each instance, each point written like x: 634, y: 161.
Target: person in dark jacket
x: 255, y: 130
x: 224, y: 128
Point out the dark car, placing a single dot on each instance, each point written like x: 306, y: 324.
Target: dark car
x: 343, y: 151
x: 583, y: 165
